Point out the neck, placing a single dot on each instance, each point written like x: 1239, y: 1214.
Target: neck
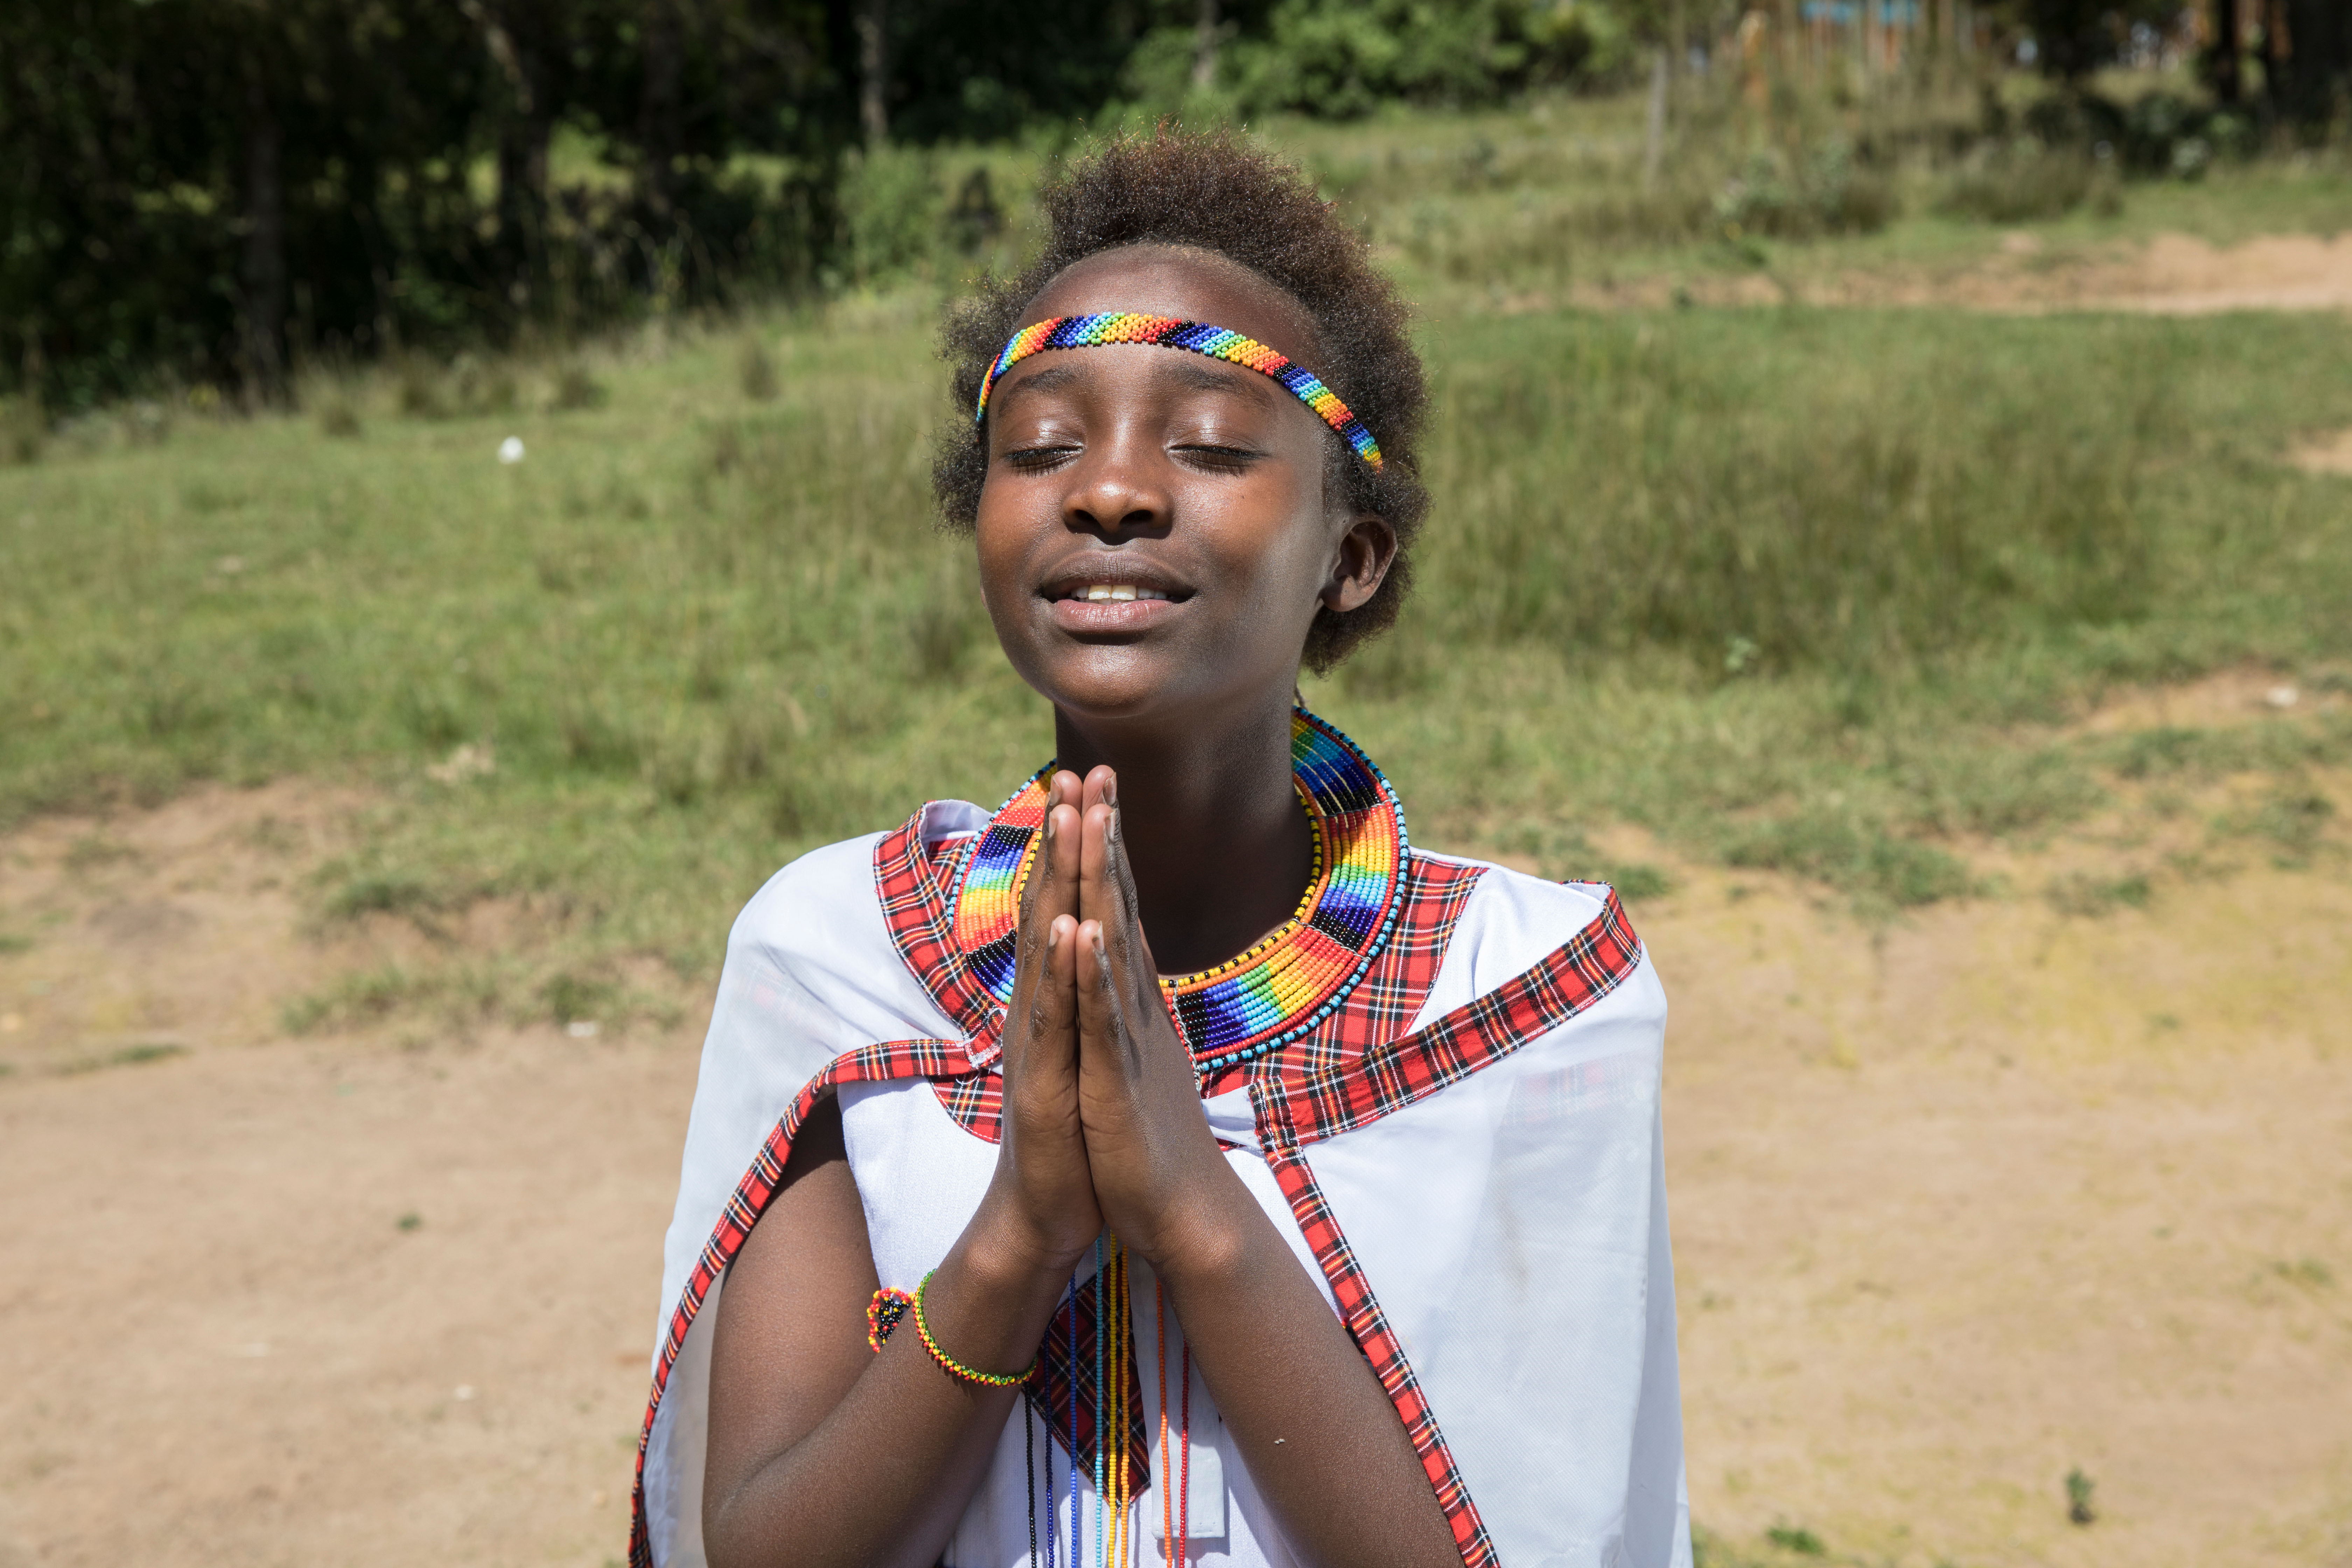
x: 1220, y: 845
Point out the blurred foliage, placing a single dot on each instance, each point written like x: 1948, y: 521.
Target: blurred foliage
x: 1343, y: 58
x: 205, y: 190
x: 206, y: 196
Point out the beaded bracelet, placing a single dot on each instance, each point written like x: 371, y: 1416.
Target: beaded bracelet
x: 954, y: 1367
x: 882, y: 1315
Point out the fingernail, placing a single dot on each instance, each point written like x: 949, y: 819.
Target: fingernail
x: 1053, y: 938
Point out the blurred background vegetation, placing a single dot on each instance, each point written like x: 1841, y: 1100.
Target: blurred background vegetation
x: 1824, y: 590
x: 218, y: 193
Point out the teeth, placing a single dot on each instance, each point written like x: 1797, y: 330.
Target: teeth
x: 1119, y: 594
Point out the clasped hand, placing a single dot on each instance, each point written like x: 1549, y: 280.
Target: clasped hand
x: 1103, y: 1123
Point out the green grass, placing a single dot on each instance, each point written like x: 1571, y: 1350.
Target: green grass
x: 1793, y: 588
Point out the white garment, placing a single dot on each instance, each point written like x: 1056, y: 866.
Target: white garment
x: 1531, y: 1290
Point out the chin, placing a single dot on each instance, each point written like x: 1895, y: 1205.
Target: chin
x: 1113, y: 689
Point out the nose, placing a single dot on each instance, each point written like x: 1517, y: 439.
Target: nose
x: 1116, y: 488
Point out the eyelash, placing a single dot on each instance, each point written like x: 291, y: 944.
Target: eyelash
x: 1233, y: 458
x: 1040, y: 458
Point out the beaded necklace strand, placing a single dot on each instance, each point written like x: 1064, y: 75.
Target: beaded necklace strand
x: 1185, y: 1480
x: 1126, y: 1333
x: 1050, y: 1513
x: 1074, y: 1548
x: 1160, y: 1359
x: 1117, y: 1539
x: 1102, y: 1442
x: 1116, y: 1542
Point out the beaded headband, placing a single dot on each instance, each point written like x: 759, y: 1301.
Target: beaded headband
x: 1194, y: 337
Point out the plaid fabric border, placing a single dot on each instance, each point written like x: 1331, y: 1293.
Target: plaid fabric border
x: 976, y: 1101
x: 1369, y: 1327
x: 920, y: 914
x: 1059, y: 1363
x: 1355, y: 1071
x: 868, y: 1064
x: 1319, y: 1095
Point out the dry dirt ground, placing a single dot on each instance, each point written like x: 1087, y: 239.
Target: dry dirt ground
x: 1960, y: 1204
x: 2171, y: 274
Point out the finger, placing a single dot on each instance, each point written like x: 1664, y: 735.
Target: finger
x: 1094, y: 891
x: 1118, y: 880
x: 1050, y: 1058
x: 1051, y: 886
x: 1101, y: 1036
x: 1132, y: 967
x: 1049, y: 892
x: 1101, y: 786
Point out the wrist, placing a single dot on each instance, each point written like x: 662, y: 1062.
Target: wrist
x: 1005, y: 1241
x: 1207, y: 1239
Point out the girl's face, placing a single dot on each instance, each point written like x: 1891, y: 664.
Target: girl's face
x: 1154, y: 538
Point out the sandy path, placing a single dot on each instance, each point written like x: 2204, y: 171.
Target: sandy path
x: 1957, y: 1206
x: 2172, y: 274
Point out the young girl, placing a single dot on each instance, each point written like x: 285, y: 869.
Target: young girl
x: 1175, y: 1165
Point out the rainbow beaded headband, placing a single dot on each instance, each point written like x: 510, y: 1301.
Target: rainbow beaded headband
x: 1194, y: 337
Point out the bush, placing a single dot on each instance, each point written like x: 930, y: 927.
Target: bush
x: 2019, y: 182
x: 1341, y: 58
x: 1829, y: 193
x: 891, y: 212
x: 23, y: 430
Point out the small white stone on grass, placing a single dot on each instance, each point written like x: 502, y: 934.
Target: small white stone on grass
x: 510, y: 450
x: 581, y: 1028
x: 2281, y: 697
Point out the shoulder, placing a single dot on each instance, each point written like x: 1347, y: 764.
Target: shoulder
x: 1510, y: 915
x: 1513, y: 923
x: 810, y: 900
x: 833, y: 895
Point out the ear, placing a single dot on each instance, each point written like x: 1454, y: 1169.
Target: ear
x: 1359, y: 563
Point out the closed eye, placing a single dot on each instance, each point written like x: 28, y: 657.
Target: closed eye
x: 1037, y: 458
x: 1210, y: 454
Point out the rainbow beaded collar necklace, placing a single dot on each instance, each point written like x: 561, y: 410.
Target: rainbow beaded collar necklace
x: 1194, y: 337
x: 1285, y: 985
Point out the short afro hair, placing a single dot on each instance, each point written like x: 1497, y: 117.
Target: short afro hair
x: 1214, y: 191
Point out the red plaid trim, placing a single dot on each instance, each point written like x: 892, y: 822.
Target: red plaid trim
x: 916, y: 907
x: 1058, y: 1364
x: 1345, y: 1076
x: 977, y: 1103
x: 868, y: 1064
x: 1319, y: 1094
x: 1369, y: 1327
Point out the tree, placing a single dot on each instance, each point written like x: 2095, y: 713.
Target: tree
x: 2311, y: 72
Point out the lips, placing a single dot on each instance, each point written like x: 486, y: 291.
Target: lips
x: 1112, y: 595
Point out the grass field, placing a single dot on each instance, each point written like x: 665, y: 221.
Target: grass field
x: 1811, y: 589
